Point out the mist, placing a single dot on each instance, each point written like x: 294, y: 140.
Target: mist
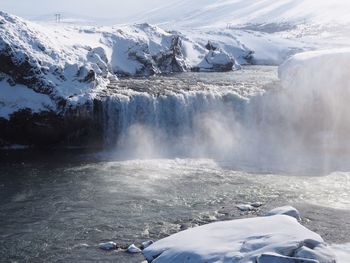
x: 300, y: 124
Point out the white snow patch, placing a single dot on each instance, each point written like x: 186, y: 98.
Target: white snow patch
x: 14, y: 98
x: 285, y: 210
x: 342, y: 252
x: 245, y: 240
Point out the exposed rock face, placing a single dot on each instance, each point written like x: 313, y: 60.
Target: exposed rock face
x: 80, y: 128
x: 173, y: 60
x: 22, y: 68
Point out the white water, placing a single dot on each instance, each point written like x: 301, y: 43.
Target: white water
x: 267, y: 128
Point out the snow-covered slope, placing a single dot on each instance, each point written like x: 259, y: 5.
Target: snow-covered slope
x: 40, y: 59
x: 219, y: 13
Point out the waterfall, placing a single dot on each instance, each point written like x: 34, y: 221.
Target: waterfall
x: 283, y: 126
x: 170, y: 121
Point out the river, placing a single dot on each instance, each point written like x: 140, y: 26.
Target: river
x: 58, y: 205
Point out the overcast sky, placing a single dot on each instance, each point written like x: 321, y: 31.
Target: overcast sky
x: 90, y: 8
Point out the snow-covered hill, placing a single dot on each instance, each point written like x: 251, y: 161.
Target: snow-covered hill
x: 219, y: 13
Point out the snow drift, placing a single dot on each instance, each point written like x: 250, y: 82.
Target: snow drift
x: 277, y: 238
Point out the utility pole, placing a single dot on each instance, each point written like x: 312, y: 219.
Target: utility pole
x: 58, y: 18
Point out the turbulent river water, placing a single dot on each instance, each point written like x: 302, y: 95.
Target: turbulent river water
x: 182, y: 151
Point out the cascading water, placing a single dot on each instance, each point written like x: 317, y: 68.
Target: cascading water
x: 174, y: 121
x: 267, y: 126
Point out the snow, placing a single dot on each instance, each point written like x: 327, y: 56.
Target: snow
x: 285, y: 210
x: 206, y: 13
x: 304, y: 70
x: 342, y: 252
x: 13, y: 98
x: 278, y: 238
x: 318, y: 83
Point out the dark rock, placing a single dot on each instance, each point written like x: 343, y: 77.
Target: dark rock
x: 173, y: 60
x: 23, y: 70
x: 76, y: 127
x: 210, y: 46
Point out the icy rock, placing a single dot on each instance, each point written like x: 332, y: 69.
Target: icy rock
x: 216, y: 60
x: 256, y: 204
x: 133, y: 249
x: 245, y: 207
x: 146, y: 244
x: 271, y: 258
x: 285, y: 210
x: 273, y: 239
x: 108, y: 246
x: 320, y: 253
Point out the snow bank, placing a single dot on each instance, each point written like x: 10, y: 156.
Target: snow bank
x: 342, y: 252
x: 315, y: 101
x: 317, y: 70
x: 277, y: 238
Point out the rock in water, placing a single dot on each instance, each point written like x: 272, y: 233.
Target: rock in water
x: 272, y: 239
x: 245, y: 208
x: 256, y: 204
x: 133, y: 249
x: 285, y: 210
x: 108, y: 246
x: 146, y: 244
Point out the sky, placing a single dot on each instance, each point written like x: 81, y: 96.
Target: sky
x: 115, y: 9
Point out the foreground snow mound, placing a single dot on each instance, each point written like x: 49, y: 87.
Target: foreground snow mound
x: 271, y: 239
